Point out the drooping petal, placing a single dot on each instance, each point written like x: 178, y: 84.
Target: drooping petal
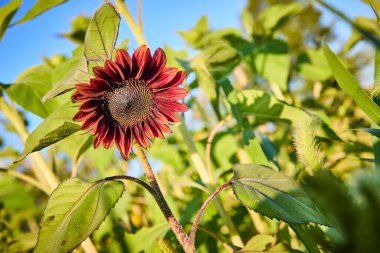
x: 172, y: 117
x: 155, y: 129
x: 109, y: 138
x: 100, y: 72
x: 172, y: 94
x: 172, y: 106
x: 157, y: 65
x: 141, y: 59
x: 114, y: 71
x: 123, y: 59
x: 100, y: 84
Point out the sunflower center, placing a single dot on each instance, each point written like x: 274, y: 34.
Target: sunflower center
x: 130, y: 103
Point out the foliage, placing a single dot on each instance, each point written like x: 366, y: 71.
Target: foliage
x: 275, y: 114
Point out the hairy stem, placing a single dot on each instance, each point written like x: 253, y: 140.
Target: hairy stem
x: 191, y: 241
x: 173, y: 222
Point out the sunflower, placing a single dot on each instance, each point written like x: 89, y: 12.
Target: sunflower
x: 130, y: 99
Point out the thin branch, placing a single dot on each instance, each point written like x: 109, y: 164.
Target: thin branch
x: 191, y: 241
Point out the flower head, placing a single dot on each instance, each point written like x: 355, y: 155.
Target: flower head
x: 130, y: 99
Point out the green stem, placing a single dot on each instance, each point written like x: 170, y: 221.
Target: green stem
x: 208, y: 179
x: 135, y: 28
x: 173, y: 222
x: 191, y: 241
x: 41, y: 170
x: 27, y: 179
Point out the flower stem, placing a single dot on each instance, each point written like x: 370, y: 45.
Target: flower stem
x: 191, y: 241
x: 135, y: 28
x: 173, y: 222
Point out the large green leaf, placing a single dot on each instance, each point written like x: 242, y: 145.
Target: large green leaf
x: 272, y: 61
x: 101, y: 34
x: 6, y: 13
x: 275, y: 16
x: 29, y: 88
x: 273, y: 194
x: 74, y: 210
x: 349, y: 85
x: 54, y: 128
x: 38, y: 8
x: 267, y: 108
x: 66, y: 75
x: 312, y: 65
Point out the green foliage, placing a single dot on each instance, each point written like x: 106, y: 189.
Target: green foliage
x: 6, y: 13
x: 38, y: 8
x: 266, y: 97
x: 74, y: 210
x: 349, y: 85
x: 275, y: 195
x: 54, y: 128
x: 102, y: 34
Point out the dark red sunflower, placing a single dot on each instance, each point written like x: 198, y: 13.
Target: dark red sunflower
x: 131, y: 99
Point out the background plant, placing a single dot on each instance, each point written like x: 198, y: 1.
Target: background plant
x: 270, y: 95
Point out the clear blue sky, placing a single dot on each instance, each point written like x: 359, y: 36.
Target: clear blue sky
x: 23, y: 45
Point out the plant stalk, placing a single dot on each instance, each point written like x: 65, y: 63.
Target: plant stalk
x: 172, y: 220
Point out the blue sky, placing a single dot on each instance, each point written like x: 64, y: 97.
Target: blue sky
x: 25, y: 44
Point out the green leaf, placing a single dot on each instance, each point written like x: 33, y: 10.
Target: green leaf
x: 40, y: 7
x: 29, y: 88
x: 373, y: 131
x: 257, y: 243
x: 6, y: 14
x: 195, y: 35
x: 54, y: 128
x: 312, y: 65
x: 349, y: 85
x: 101, y: 34
x: 304, y: 232
x: 274, y: 195
x: 13, y: 194
x: 273, y: 57
x: 267, y: 108
x: 66, y: 75
x: 275, y: 16
x: 149, y: 237
x: 74, y: 210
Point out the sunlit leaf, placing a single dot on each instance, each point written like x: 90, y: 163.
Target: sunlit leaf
x: 29, y: 88
x: 6, y: 13
x: 38, y: 8
x: 267, y: 108
x: 149, y: 236
x: 257, y: 243
x: 273, y: 57
x: 74, y: 210
x: 193, y: 36
x: 275, y: 16
x: 66, y: 75
x: 275, y: 195
x: 54, y: 128
x: 101, y: 34
x: 349, y: 85
x: 312, y: 65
